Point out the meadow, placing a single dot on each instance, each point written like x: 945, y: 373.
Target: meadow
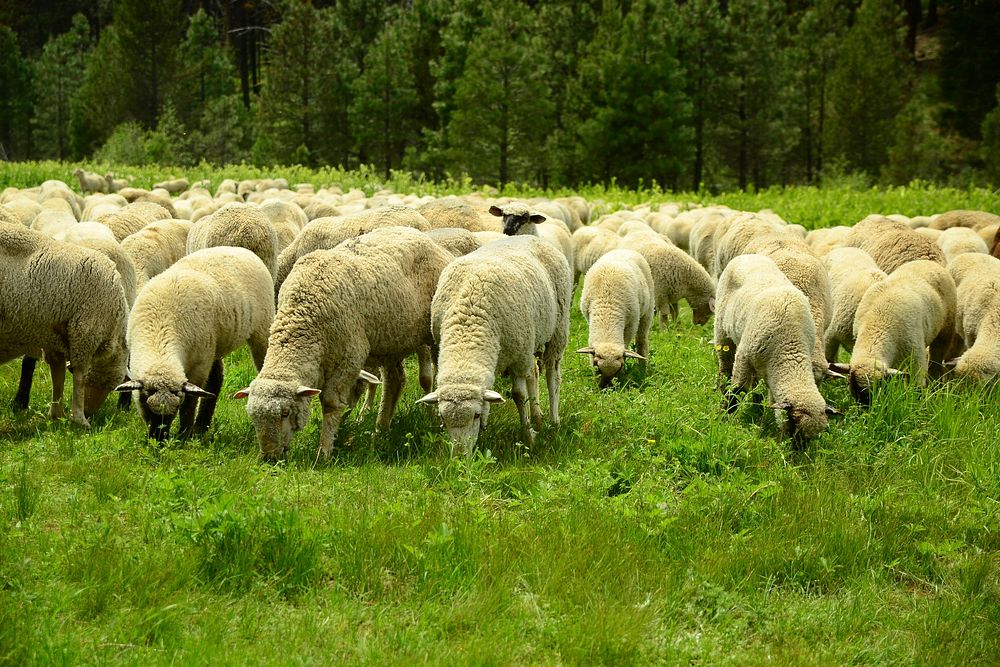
x: 650, y: 528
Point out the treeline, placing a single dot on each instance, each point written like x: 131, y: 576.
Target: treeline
x: 683, y: 94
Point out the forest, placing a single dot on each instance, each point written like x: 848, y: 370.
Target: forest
x: 678, y: 95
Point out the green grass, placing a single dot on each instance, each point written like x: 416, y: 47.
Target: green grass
x: 650, y: 528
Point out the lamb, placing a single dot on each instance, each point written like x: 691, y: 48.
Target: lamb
x: 892, y: 244
x: 155, y: 247
x: 90, y: 182
x: 287, y: 220
x: 676, y: 276
x: 182, y: 325
x: 977, y: 318
x: 852, y: 271
x: 765, y: 330
x: 238, y: 225
x: 329, y: 327
x: 617, y: 301
x: 956, y: 241
x: 898, y: 318
x: 326, y: 233
x: 68, y: 302
x: 495, y: 309
x: 174, y: 186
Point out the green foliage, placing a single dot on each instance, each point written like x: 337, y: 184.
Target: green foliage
x: 206, y: 71
x: 57, y: 73
x: 126, y: 145
x: 868, y: 87
x: 969, y: 56
x: 991, y: 141
x: 920, y: 148
x: 15, y: 100
x: 100, y: 104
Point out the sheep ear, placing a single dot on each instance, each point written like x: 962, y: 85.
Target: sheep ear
x: 128, y: 387
x: 834, y: 374
x: 430, y: 399
x: 491, y: 396
x: 536, y: 218
x: 629, y: 354
x: 496, y: 210
x: 711, y: 304
x: 839, y: 368
x: 586, y: 350
x: 951, y: 363
x: 195, y: 390
x: 368, y: 377
x: 833, y: 412
x: 306, y: 392
x: 895, y: 372
x: 242, y: 393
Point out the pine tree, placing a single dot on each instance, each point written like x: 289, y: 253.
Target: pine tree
x: 58, y: 71
x: 206, y: 70
x: 15, y: 100
x: 502, y: 112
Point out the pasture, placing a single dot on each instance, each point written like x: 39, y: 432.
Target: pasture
x: 650, y: 528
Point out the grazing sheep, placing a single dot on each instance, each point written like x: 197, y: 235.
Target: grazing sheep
x: 365, y: 302
x: 85, y: 230
x: 852, y: 271
x: 326, y: 233
x: 287, y: 219
x: 156, y: 247
x: 892, y: 244
x: 765, y: 330
x: 174, y: 186
x: 961, y: 218
x: 823, y: 241
x: 238, y: 225
x: 90, y: 182
x: 589, y: 244
x: 123, y: 263
x: 676, y: 276
x: 23, y: 209
x: 132, y: 218
x: 734, y: 235
x: 227, y: 185
x: 897, y: 319
x: 183, y: 323
x: 956, y: 241
x: 519, y: 220
x: 495, y: 309
x: 7, y: 217
x: 617, y: 301
x: 68, y: 302
x: 977, y: 315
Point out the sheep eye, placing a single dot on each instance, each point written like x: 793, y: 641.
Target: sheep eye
x: 285, y: 413
x: 477, y: 416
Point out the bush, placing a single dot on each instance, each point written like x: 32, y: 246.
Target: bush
x: 126, y: 145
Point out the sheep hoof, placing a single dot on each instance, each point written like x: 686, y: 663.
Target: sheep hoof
x: 80, y: 420
x: 56, y: 411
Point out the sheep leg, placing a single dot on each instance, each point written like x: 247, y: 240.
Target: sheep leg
x: 78, y: 415
x: 124, y: 401
x: 832, y: 349
x: 187, y: 412
x: 23, y: 395
x: 206, y: 406
x: 741, y: 380
x: 425, y: 358
x: 393, y: 380
x: 328, y: 431
x: 552, y: 381
x: 533, y: 404
x: 668, y: 313
x: 942, y: 348
x: 57, y: 370
x: 725, y: 353
x: 642, y: 337
x: 519, y: 390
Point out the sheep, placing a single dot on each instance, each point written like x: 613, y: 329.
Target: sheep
x: 90, y: 182
x: 227, y: 185
x: 132, y: 218
x: 97, y: 205
x: 156, y: 247
x: 239, y: 225
x: 956, y: 241
x: 174, y: 186
x: 494, y: 310
x: 85, y: 230
x: 183, y: 323
x: 123, y: 263
x: 519, y: 220
x: 580, y: 208
x: 676, y: 276
x: 55, y: 190
x: 852, y: 271
x: 898, y: 318
x: 961, y: 218
x: 320, y: 209
x: 617, y: 302
x: 114, y: 184
x: 701, y: 241
x: 7, y: 217
x: 326, y: 233
x: 823, y: 241
x: 456, y: 240
x: 765, y: 330
x: 68, y: 302
x: 53, y: 223
x: 287, y: 220
x: 733, y: 235
x: 23, y: 209
x: 453, y: 212
x: 892, y: 244
x: 589, y: 244
x: 330, y: 324
x: 929, y: 233
x: 977, y: 315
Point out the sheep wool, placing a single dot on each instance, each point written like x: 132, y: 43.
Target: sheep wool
x: 892, y: 244
x: 617, y: 301
x: 238, y: 225
x: 977, y: 318
x: 852, y: 271
x: 156, y: 247
x: 183, y: 323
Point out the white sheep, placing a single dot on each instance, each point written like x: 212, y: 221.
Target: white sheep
x: 617, y: 302
x: 892, y: 244
x: 68, y: 302
x: 90, y: 182
x: 897, y: 320
x: 765, y: 330
x: 287, y: 220
x: 852, y: 271
x: 495, y: 309
x: 238, y: 225
x: 956, y: 241
x: 174, y: 186
x: 183, y: 323
x: 133, y: 217
x: 518, y: 219
x: 156, y: 247
x: 977, y: 318
x: 365, y: 302
x: 676, y: 276
x: 589, y: 244
x: 114, y: 184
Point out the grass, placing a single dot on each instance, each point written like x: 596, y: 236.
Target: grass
x: 650, y: 528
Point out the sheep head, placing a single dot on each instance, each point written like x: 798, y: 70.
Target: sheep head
x: 278, y: 408
x: 608, y: 360
x: 515, y: 216
x: 464, y: 409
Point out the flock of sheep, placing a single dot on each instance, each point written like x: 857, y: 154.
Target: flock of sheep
x: 144, y: 292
